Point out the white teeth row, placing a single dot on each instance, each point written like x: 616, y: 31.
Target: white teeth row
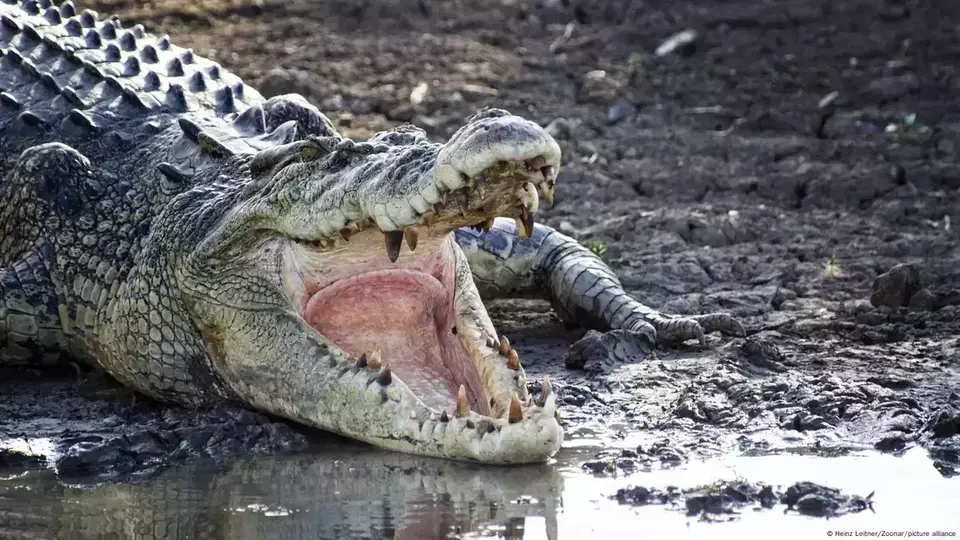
x: 528, y: 195
x: 513, y: 411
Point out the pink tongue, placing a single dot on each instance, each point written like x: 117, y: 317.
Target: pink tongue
x: 409, y: 316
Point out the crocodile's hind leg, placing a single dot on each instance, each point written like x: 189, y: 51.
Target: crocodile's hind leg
x: 583, y: 290
x: 30, y: 331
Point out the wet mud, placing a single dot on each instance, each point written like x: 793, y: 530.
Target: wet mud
x: 796, y: 164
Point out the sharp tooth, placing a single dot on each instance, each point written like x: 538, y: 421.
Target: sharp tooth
x: 463, y: 407
x: 487, y: 225
x: 463, y: 200
x: 548, y: 194
x: 515, y: 415
x: 544, y: 390
x: 491, y: 342
x: 533, y: 198
x: 413, y: 415
x: 443, y: 417
x: 528, y: 221
x: 548, y: 173
x: 410, y: 235
x: 345, y: 234
x: 520, y: 229
x: 386, y: 377
x: 393, y: 239
x: 513, y: 360
x: 556, y: 416
x: 504, y: 345
x: 481, y: 186
x: 362, y: 361
x: 374, y: 362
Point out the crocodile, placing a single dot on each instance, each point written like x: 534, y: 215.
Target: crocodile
x: 162, y: 221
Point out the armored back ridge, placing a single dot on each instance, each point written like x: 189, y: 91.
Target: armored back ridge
x: 116, y: 122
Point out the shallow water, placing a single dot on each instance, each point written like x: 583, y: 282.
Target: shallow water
x: 351, y: 491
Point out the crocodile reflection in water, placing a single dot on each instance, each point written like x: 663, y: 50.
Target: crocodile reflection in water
x: 368, y: 494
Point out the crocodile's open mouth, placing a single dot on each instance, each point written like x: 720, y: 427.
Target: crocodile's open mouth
x: 404, y: 316
x: 417, y: 314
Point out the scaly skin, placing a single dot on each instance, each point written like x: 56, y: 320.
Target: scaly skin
x: 164, y: 222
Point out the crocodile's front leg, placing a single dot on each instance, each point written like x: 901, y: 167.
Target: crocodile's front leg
x: 583, y: 290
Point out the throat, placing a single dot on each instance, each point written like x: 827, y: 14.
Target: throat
x: 408, y: 313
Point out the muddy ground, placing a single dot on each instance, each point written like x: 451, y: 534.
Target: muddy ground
x: 722, y: 175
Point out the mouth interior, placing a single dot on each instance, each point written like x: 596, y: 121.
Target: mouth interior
x: 407, y: 311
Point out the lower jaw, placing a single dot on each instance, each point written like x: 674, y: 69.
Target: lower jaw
x: 404, y: 316
x: 391, y: 415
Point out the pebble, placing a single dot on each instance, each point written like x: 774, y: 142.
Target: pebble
x: 895, y: 287
x: 683, y: 43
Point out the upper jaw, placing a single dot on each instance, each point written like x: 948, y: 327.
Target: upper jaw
x: 497, y: 165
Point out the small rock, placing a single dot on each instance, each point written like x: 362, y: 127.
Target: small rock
x: 599, y: 467
x: 620, y: 111
x: 12, y: 459
x: 596, y: 352
x: 893, y: 443
x: 923, y: 300
x: 945, y: 423
x: 419, y: 93
x: 895, y: 287
x: 684, y: 43
x: 279, y: 81
x: 568, y: 229
x: 561, y: 128
x: 763, y: 353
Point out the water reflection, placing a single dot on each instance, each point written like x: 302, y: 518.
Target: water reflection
x: 348, y: 491
x: 368, y: 494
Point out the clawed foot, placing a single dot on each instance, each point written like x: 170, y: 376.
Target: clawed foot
x: 681, y: 328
